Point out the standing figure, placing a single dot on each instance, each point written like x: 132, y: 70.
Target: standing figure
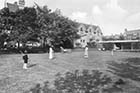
x: 112, y: 52
x: 51, y: 55
x: 86, y: 52
x: 25, y: 58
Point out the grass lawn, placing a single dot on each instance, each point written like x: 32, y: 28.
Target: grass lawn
x: 14, y: 79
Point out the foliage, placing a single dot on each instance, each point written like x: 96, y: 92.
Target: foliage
x: 85, y: 81
x: 25, y: 25
x: 115, y: 37
x: 55, y: 28
x: 37, y: 24
x: 121, y: 37
x: 128, y: 69
x: 107, y: 38
x: 80, y: 82
x: 20, y: 24
x: 108, y: 46
x: 92, y: 44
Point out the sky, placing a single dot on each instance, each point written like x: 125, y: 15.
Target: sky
x: 112, y: 16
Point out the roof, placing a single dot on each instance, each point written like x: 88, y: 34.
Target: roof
x: 12, y: 7
x: 131, y: 31
x: 120, y: 41
x: 86, y: 25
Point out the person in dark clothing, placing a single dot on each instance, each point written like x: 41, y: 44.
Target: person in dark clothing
x: 25, y: 59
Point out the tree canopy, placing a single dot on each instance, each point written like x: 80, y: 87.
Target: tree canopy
x: 37, y: 24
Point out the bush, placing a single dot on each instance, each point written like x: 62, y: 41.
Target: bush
x: 108, y: 46
x: 85, y: 81
x: 79, y: 82
x: 92, y: 45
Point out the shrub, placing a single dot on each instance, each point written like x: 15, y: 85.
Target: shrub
x: 82, y: 81
x: 79, y: 82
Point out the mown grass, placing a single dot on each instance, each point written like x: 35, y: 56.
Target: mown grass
x: 14, y: 79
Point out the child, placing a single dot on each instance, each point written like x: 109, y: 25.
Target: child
x: 86, y: 52
x: 25, y: 58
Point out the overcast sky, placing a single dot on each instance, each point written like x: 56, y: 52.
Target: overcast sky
x: 112, y: 16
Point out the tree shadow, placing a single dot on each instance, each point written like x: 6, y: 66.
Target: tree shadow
x: 129, y: 68
x: 32, y: 65
x: 113, y: 89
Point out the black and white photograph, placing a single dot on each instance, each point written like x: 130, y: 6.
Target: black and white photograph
x: 69, y: 46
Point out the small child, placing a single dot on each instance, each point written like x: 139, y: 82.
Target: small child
x: 25, y: 58
x: 86, y: 52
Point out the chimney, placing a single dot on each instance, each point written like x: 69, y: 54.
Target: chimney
x: 125, y: 30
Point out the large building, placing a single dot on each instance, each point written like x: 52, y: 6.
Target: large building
x: 132, y: 34
x: 13, y: 7
x: 129, y: 41
x: 21, y: 4
x: 88, y: 34
x: 16, y: 6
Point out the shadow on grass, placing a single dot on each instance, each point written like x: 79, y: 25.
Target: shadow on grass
x: 32, y: 65
x: 79, y: 82
x: 129, y: 68
x: 1, y: 64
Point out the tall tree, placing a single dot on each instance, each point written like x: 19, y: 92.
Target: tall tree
x: 51, y: 27
x: 55, y: 27
x: 21, y: 24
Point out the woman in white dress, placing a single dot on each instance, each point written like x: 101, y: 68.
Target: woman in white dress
x: 51, y: 55
x: 86, y: 52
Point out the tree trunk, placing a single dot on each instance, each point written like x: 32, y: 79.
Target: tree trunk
x: 18, y: 44
x: 44, y: 42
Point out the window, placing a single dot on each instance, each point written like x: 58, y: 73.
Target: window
x: 94, y: 32
x: 90, y: 39
x: 90, y: 30
x: 97, y: 40
x: 81, y: 29
x: 83, y: 41
x: 86, y: 31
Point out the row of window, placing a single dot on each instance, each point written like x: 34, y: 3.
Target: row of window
x: 133, y: 34
x: 81, y: 30
x: 82, y: 41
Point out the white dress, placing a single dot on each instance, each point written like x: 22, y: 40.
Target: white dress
x: 86, y: 52
x: 51, y: 53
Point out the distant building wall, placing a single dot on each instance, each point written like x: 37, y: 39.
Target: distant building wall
x: 21, y: 4
x: 132, y: 34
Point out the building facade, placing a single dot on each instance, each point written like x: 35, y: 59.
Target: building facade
x: 21, y: 4
x: 15, y: 6
x: 132, y: 34
x: 88, y: 34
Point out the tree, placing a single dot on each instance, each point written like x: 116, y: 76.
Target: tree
x: 5, y: 22
x: 21, y: 24
x: 38, y: 24
x: 55, y: 28
x: 121, y: 37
